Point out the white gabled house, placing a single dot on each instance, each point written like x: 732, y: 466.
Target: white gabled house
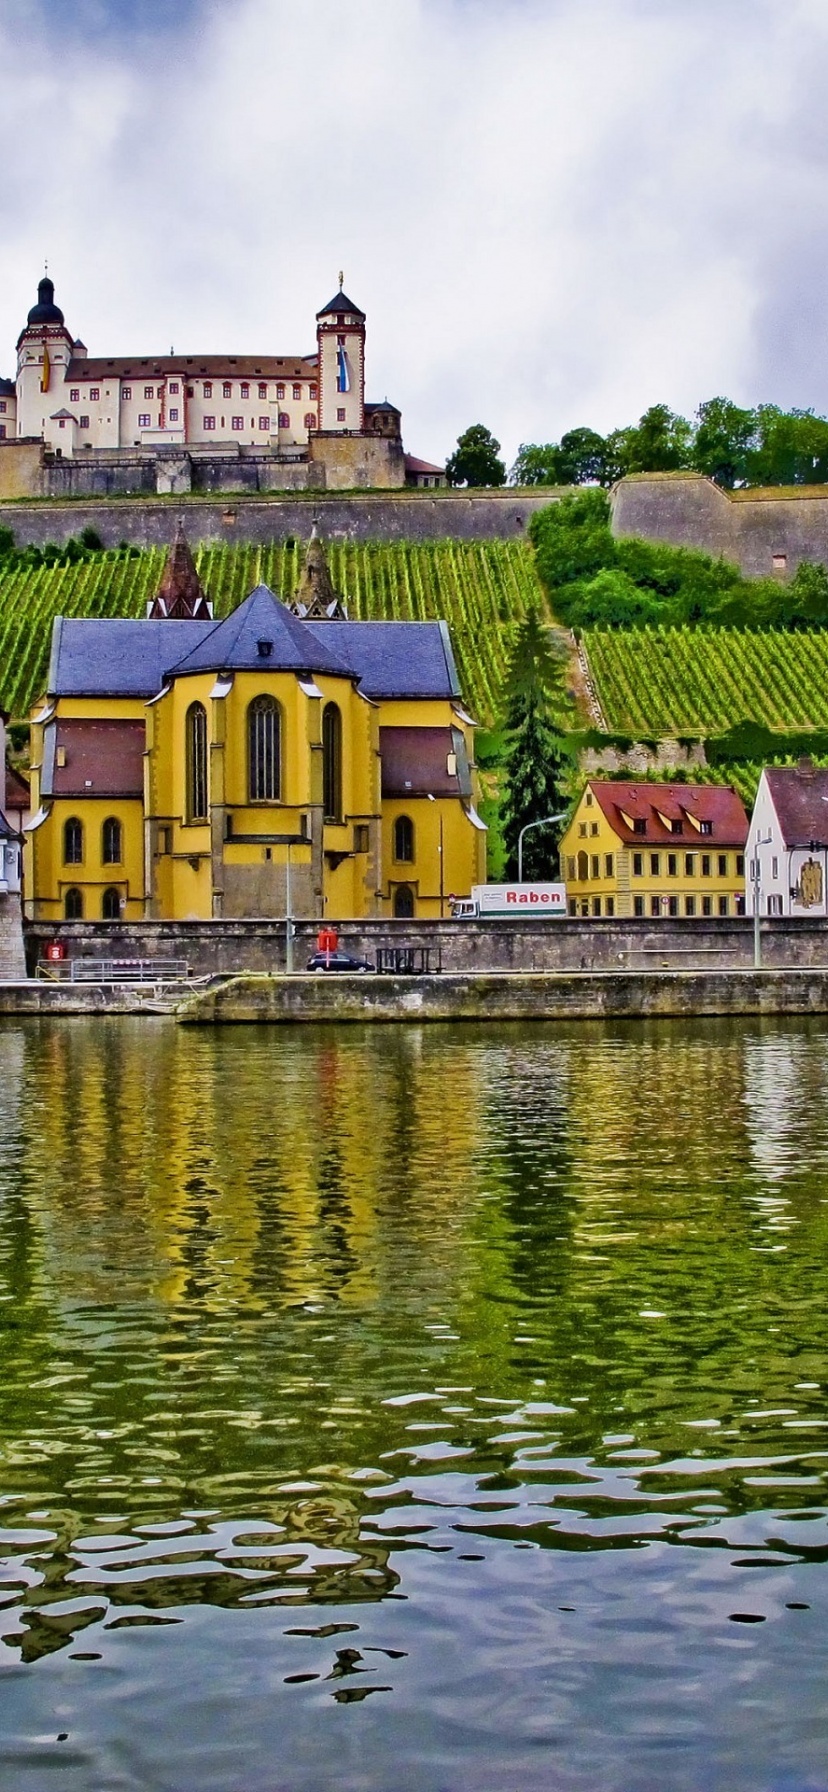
x: 787, y: 844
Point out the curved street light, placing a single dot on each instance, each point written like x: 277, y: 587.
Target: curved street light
x: 547, y: 821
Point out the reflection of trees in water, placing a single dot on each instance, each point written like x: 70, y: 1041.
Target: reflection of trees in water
x: 308, y: 1550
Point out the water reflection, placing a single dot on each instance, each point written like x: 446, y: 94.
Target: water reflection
x: 455, y: 1364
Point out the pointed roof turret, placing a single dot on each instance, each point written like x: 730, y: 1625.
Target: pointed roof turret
x: 261, y: 635
x: 341, y: 302
x: 181, y: 593
x: 315, y: 599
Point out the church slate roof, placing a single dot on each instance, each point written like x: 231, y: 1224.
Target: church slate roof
x: 235, y: 644
x: 100, y: 656
x: 395, y: 659
x: 341, y: 302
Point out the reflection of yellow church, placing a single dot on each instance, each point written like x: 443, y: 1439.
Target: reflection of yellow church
x: 282, y: 760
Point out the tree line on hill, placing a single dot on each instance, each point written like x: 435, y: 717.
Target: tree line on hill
x: 594, y: 580
x: 79, y: 548
x: 734, y: 445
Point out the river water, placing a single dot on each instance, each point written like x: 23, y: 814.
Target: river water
x: 434, y: 1408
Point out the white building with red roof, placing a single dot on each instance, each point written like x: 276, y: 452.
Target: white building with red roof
x: 787, y: 847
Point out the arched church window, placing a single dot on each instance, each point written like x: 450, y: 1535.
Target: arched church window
x: 264, y: 756
x: 112, y: 841
x: 111, y: 905
x: 73, y: 905
x: 196, y: 762
x: 73, y: 841
x: 404, y: 902
x: 331, y: 763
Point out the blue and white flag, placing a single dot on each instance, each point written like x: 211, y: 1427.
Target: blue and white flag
x: 343, y: 383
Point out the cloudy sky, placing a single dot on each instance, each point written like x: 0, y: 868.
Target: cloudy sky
x: 553, y: 211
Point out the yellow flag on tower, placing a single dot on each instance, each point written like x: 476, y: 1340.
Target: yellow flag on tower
x: 44, y: 378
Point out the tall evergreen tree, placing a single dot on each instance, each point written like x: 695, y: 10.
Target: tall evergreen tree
x: 536, y: 761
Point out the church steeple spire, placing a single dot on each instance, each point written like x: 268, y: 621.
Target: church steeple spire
x: 181, y: 593
x: 315, y: 599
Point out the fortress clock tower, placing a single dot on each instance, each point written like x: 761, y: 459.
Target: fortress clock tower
x: 340, y: 336
x: 44, y: 350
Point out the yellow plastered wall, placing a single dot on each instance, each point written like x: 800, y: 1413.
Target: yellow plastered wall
x: 47, y: 877
x: 650, y: 881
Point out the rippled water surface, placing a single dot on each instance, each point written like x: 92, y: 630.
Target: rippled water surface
x: 441, y: 1409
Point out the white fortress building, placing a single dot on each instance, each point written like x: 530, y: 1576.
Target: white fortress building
x: 304, y: 418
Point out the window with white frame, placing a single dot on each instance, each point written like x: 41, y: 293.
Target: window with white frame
x: 209, y: 423
x: 74, y: 396
x: 226, y: 390
x: 127, y: 392
x: 173, y: 413
x: 237, y: 423
x: 208, y: 388
x: 149, y: 391
x: 95, y: 393
x: 174, y: 388
x: 144, y: 420
x: 264, y: 422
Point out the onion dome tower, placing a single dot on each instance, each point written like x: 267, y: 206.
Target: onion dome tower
x: 180, y: 594
x: 44, y: 350
x: 315, y: 599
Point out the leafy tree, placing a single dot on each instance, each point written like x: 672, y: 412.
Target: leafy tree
x: 808, y: 595
x: 537, y: 464
x: 724, y: 437
x: 475, y: 460
x: 573, y: 539
x: 659, y: 443
x: 791, y: 448
x: 578, y: 459
x: 535, y: 760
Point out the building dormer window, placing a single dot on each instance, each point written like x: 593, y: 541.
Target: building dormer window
x: 705, y: 827
x: 639, y: 825
x: 676, y: 827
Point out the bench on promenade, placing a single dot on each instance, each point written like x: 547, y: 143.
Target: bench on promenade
x: 409, y: 961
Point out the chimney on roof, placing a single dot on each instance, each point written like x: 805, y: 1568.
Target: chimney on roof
x: 181, y: 594
x: 805, y: 766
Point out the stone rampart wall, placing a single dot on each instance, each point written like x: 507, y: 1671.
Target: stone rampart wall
x: 210, y: 947
x: 403, y: 516
x: 764, y: 534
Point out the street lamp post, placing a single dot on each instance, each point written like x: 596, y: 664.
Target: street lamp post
x: 757, y: 899
x: 548, y: 821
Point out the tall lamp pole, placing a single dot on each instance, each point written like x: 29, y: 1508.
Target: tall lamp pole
x: 548, y: 821
x: 757, y: 899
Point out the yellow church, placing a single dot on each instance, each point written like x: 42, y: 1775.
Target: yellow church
x: 284, y: 760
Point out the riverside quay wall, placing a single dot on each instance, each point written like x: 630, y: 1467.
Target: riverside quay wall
x: 211, y: 948
x: 582, y: 995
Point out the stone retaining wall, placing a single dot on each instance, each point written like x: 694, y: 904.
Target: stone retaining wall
x: 211, y: 947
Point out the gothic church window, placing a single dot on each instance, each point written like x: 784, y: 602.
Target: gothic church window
x: 73, y: 841
x: 111, y: 905
x: 264, y: 767
x: 196, y: 762
x: 73, y: 905
x: 112, y: 841
x: 332, y: 763
x: 404, y: 840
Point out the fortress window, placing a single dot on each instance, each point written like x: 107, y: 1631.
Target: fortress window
x: 74, y: 395
x: 262, y: 389
x: 111, y: 905
x: 245, y: 391
x: 196, y: 762
x: 284, y: 420
x: 264, y: 768
x: 174, y: 388
x: 404, y: 841
x: 280, y: 391
x: 310, y: 419
x: 264, y: 422
x: 145, y: 420
x: 226, y: 390
x: 94, y: 393
x: 208, y: 388
x: 73, y: 905
x: 83, y: 422
x: 209, y: 423
x: 340, y: 415
x: 237, y: 423
x: 173, y: 413
x: 112, y: 841
x: 149, y: 391
x: 127, y: 392
x: 312, y: 392
x: 297, y: 391
x: 331, y: 763
x: 73, y: 841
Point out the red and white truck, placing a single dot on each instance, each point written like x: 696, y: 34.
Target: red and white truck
x: 506, y: 901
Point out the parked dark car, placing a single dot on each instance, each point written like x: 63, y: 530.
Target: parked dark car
x: 338, y: 961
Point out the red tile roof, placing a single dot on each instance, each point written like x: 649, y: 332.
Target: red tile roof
x: 800, y: 798
x: 102, y: 759
x: 17, y: 790
x: 188, y: 367
x: 685, y: 804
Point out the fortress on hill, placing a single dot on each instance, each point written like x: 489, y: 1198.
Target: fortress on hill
x: 177, y: 422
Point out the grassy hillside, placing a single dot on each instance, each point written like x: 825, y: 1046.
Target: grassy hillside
x: 481, y: 589
x: 701, y: 681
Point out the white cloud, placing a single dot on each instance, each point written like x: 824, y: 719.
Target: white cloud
x: 552, y: 213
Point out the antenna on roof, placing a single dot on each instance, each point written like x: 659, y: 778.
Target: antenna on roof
x: 341, y: 279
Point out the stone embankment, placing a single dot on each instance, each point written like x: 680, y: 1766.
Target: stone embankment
x: 482, y: 997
